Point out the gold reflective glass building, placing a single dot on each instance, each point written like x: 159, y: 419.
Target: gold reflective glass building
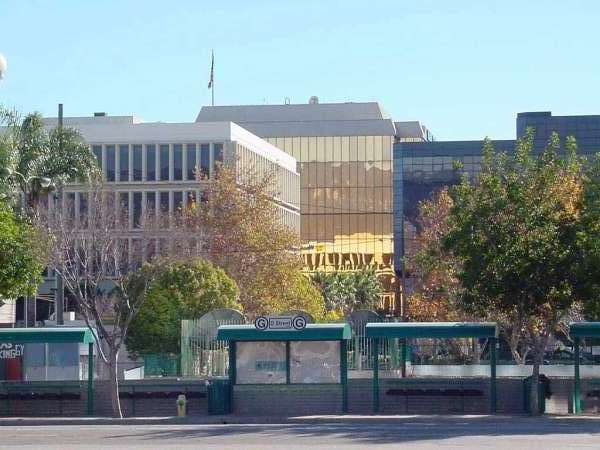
x: 344, y: 154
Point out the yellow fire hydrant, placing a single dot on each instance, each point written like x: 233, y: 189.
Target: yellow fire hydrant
x: 181, y: 405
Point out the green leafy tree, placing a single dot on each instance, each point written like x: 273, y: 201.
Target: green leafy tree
x: 242, y: 233
x: 21, y: 260
x: 176, y: 290
x: 348, y: 291
x: 589, y: 238
x: 514, y: 233
x: 432, y: 267
x: 301, y: 294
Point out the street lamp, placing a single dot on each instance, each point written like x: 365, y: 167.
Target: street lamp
x: 45, y: 182
x: 3, y: 66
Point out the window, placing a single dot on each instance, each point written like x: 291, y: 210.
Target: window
x: 97, y: 151
x: 110, y: 163
x: 150, y: 162
x: 260, y: 362
x: 164, y: 209
x: 204, y: 162
x: 177, y: 162
x: 137, y: 209
x: 164, y: 162
x: 218, y: 154
x: 150, y: 206
x: 83, y: 209
x: 124, y: 162
x: 137, y: 163
x: 177, y: 200
x: 123, y: 214
x: 150, y: 249
x: 191, y: 161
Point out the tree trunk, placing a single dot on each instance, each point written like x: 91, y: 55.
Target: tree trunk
x: 534, y: 393
x: 114, y: 384
x: 534, y: 405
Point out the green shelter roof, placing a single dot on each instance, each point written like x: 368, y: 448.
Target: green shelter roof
x: 438, y: 330
x: 54, y: 335
x: 584, y: 329
x: 312, y: 332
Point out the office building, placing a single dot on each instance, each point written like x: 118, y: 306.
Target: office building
x: 162, y: 167
x: 421, y: 168
x: 344, y: 154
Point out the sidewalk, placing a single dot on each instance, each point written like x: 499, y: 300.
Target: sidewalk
x: 243, y: 420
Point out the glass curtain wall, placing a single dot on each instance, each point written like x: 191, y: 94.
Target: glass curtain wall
x: 346, y: 203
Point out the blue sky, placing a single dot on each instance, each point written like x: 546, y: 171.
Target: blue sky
x: 464, y: 68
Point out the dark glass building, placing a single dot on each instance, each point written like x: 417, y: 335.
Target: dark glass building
x: 421, y: 168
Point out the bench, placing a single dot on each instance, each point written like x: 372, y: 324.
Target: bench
x: 436, y: 392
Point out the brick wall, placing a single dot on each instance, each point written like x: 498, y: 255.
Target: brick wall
x: 457, y: 403
x: 138, y: 398
x: 287, y: 400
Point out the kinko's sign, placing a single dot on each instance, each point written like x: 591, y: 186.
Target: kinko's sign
x: 280, y: 323
x: 8, y: 351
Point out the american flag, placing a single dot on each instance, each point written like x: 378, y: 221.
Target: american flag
x: 212, y: 71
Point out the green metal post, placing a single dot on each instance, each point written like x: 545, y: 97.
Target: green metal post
x: 577, y: 389
x: 232, y: 368
x: 288, y: 369
x: 493, y: 375
x: 376, y: 375
x: 403, y: 357
x: 344, y: 374
x: 90, y: 383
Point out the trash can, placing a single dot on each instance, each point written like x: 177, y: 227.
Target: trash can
x: 219, y: 397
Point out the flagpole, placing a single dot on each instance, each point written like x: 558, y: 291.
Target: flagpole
x: 212, y: 78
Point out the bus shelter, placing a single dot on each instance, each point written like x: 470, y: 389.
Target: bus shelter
x: 579, y: 331
x: 16, y: 344
x: 278, y: 363
x: 430, y: 330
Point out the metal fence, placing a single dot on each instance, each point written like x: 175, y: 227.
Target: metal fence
x: 161, y: 365
x: 202, y: 355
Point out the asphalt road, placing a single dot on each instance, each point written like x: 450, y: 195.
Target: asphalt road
x: 433, y: 433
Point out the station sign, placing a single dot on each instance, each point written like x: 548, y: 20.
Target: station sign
x: 9, y: 351
x: 264, y: 323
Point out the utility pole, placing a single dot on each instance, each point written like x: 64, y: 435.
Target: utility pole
x: 59, y: 295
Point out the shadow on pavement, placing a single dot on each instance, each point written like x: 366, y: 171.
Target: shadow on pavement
x: 383, y: 431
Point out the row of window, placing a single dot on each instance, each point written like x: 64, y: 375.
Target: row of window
x: 346, y: 200
x: 349, y: 174
x: 363, y: 232
x: 157, y: 162
x: 156, y: 206
x: 336, y: 148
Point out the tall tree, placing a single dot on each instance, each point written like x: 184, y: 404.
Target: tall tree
x: 514, y: 233
x: 239, y: 229
x: 92, y: 255
x: 589, y: 238
x: 431, y: 266
x: 177, y: 290
x: 21, y: 258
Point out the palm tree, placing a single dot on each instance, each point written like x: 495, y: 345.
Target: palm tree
x: 35, y: 159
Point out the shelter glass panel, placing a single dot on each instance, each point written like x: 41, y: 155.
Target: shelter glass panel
x: 260, y: 362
